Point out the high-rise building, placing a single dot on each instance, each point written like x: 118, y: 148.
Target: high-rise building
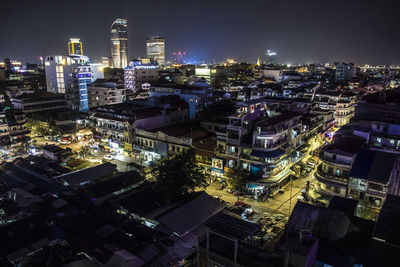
x: 75, y: 47
x: 270, y: 57
x: 106, y: 61
x: 155, y: 48
x: 7, y: 64
x: 345, y: 71
x: 69, y: 75
x: 119, y: 43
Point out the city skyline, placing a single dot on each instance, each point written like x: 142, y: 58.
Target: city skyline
x: 298, y: 32
x: 121, y: 148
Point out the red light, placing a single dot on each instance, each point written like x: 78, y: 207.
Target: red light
x: 180, y: 53
x: 174, y: 53
x: 184, y: 53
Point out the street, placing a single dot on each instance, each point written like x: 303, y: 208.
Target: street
x: 278, y: 204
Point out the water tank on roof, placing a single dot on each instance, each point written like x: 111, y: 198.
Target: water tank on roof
x: 305, y: 236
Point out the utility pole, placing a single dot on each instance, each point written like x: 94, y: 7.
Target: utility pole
x: 286, y: 259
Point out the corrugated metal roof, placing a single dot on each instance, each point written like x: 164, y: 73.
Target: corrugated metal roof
x: 190, y: 215
x: 372, y: 165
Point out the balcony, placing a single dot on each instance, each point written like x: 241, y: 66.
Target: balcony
x: 233, y: 141
x: 117, y: 129
x: 269, y: 146
x: 326, y: 193
x: 219, y: 151
x: 334, y: 161
x: 324, y: 177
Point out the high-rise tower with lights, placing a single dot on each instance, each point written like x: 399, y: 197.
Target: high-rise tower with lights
x: 155, y: 48
x: 119, y: 43
x: 75, y: 47
x: 270, y: 57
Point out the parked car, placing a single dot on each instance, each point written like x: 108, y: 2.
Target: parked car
x: 108, y: 157
x: 241, y: 204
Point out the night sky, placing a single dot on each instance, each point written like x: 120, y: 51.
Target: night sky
x: 300, y: 31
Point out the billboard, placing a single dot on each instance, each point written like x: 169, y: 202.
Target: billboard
x: 217, y: 165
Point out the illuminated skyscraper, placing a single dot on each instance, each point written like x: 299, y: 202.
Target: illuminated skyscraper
x: 75, y: 47
x: 155, y: 48
x: 119, y: 43
x: 270, y: 57
x: 69, y: 75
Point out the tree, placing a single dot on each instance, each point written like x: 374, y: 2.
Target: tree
x: 238, y: 178
x: 178, y: 176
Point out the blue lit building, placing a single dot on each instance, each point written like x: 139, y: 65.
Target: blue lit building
x: 69, y: 75
x: 140, y: 72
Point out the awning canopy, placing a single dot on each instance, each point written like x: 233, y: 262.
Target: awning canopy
x: 268, y: 154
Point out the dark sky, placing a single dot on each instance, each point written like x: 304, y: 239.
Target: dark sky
x: 300, y: 31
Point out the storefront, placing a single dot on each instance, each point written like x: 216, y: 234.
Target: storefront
x: 114, y: 147
x: 149, y: 156
x: 257, y: 190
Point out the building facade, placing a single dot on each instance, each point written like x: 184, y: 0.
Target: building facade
x: 119, y: 43
x: 345, y: 71
x: 103, y: 93
x: 40, y: 102
x: 139, y: 73
x: 195, y: 95
x: 155, y: 49
x: 69, y: 75
x: 12, y: 129
x: 75, y: 47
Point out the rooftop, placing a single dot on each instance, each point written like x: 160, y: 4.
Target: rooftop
x: 54, y: 148
x: 192, y: 214
x: 191, y: 130
x: 372, y: 165
x: 89, y: 174
x: 229, y: 225
x: 387, y: 226
x: 114, y: 183
x: 42, y: 95
x: 286, y: 116
x: 345, y: 145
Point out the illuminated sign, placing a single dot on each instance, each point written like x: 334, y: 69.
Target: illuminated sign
x: 202, y: 71
x: 217, y: 165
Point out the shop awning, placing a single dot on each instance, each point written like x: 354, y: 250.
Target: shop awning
x: 268, y: 154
